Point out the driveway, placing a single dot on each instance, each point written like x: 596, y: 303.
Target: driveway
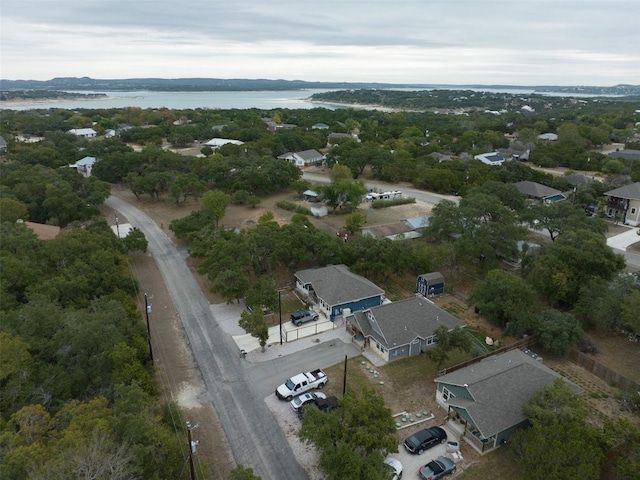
x: 623, y: 240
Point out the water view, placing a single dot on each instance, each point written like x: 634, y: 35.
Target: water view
x: 267, y: 100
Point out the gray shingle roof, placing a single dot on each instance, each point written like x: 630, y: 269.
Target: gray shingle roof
x: 628, y: 191
x: 499, y: 385
x: 399, y: 323
x: 336, y: 285
x: 536, y: 190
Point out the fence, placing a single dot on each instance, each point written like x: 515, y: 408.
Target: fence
x: 524, y: 343
x: 610, y: 376
x: 310, y: 329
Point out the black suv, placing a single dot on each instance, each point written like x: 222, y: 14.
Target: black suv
x: 303, y: 316
x: 425, y: 439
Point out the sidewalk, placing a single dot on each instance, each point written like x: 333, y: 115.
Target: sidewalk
x: 623, y: 240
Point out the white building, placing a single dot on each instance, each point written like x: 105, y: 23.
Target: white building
x: 84, y: 132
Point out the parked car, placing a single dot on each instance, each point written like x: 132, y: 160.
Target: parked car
x: 303, y: 316
x: 394, y: 467
x: 322, y: 404
x: 437, y: 468
x: 305, y: 398
x: 425, y: 439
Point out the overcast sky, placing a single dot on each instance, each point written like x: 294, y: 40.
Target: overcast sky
x: 517, y: 42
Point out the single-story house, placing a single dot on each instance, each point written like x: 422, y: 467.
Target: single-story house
x: 548, y: 137
x: 402, y: 230
x: 84, y: 166
x: 429, y: 284
x: 624, y: 202
x: 491, y: 158
x: 305, y: 158
x: 337, y: 291
x: 539, y: 192
x: 84, y: 132
x: 218, y: 142
x: 576, y: 179
x: 487, y: 396
x: 320, y: 126
x: 334, y: 138
x: 399, y: 329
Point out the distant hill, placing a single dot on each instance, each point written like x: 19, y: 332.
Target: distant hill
x: 238, y: 84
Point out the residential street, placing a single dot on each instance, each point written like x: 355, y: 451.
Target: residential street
x: 255, y: 437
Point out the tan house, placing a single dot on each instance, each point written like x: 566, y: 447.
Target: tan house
x: 624, y: 204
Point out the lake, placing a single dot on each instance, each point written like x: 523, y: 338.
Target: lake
x: 264, y: 100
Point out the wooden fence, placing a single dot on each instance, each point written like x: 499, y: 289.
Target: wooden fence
x: 610, y: 376
x: 524, y: 343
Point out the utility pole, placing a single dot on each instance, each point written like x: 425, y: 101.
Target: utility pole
x: 117, y: 225
x: 192, y: 449
x: 344, y: 381
x: 147, y: 309
x: 280, y: 308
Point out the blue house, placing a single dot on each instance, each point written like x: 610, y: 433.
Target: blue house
x: 486, y: 397
x: 337, y: 291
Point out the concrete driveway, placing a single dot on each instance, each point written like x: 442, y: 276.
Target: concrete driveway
x: 623, y: 240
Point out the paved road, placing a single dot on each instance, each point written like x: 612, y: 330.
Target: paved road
x: 632, y: 259
x: 255, y: 437
x: 420, y: 195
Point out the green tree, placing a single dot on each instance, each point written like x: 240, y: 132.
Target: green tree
x: 214, y: 204
x: 556, y: 403
x: 560, y: 217
x: 629, y: 317
x: 232, y: 284
x: 563, y: 451
x: 354, y: 438
x: 254, y: 324
x: 557, y: 331
x: 263, y: 294
x: 12, y: 210
x: 445, y: 341
x: 135, y: 241
x: 354, y: 222
x: 572, y: 261
x: 503, y: 297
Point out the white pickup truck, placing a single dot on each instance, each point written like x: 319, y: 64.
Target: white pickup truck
x: 303, y: 382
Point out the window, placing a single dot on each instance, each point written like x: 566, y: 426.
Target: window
x: 431, y: 340
x: 633, y: 211
x: 446, y: 394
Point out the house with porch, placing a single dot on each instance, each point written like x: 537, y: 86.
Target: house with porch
x: 484, y: 399
x: 302, y: 159
x: 624, y: 204
x: 399, y: 329
x: 335, y: 290
x: 83, y: 132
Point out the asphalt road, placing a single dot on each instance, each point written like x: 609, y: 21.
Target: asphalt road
x: 236, y: 388
x: 419, y: 195
x: 632, y: 259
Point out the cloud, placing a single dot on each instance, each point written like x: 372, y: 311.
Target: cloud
x: 474, y: 41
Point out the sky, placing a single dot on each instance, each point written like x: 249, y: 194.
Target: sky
x: 457, y: 42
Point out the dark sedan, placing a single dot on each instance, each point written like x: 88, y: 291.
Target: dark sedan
x: 437, y: 468
x: 425, y: 439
